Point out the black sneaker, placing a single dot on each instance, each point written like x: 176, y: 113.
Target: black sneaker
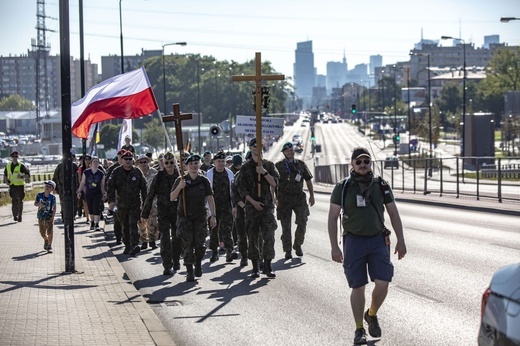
x: 373, y: 325
x: 144, y: 246
x: 360, y: 337
x: 92, y: 226
x: 288, y: 255
x: 49, y: 249
x: 214, y: 257
x: 15, y: 218
x: 97, y: 227
x: 45, y: 245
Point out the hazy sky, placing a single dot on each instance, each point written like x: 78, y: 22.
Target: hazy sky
x: 236, y: 29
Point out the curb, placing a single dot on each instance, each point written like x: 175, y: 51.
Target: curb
x: 156, y: 329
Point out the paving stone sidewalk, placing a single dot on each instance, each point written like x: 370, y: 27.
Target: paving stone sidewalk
x: 41, y: 304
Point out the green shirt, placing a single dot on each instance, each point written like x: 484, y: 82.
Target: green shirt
x: 363, y: 220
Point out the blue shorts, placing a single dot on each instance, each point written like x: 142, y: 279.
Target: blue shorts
x: 362, y: 252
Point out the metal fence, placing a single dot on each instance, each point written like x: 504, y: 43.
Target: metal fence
x: 478, y: 177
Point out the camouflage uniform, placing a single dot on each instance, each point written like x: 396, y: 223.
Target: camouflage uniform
x: 221, y: 185
x: 129, y: 190
x: 291, y: 197
x: 240, y: 220
x: 192, y: 228
x: 118, y: 231
x: 58, y: 179
x: 171, y: 245
x: 149, y: 232
x: 259, y: 223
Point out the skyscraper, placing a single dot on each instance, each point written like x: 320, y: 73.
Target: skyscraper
x: 336, y: 74
x: 304, y: 72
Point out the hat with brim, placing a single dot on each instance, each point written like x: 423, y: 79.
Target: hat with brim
x: 50, y: 183
x: 127, y: 153
x: 219, y: 155
x: 252, y: 142
x: 359, y: 152
x: 143, y: 157
x: 14, y: 154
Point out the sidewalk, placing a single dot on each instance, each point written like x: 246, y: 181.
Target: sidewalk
x: 43, y: 305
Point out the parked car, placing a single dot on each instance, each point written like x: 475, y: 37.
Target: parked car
x: 391, y: 162
x: 500, y: 310
x: 297, y: 138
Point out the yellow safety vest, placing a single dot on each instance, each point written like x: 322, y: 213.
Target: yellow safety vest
x: 13, y: 177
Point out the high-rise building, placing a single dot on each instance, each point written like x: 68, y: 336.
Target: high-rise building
x: 304, y: 71
x: 375, y: 62
x: 491, y: 39
x: 336, y: 74
x: 111, y: 64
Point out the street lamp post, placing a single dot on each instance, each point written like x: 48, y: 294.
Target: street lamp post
x: 462, y: 147
x: 121, y: 38
x: 395, y: 110
x: 164, y: 81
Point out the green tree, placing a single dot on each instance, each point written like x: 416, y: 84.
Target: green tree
x: 153, y: 134
x: 16, y: 102
x: 109, y: 136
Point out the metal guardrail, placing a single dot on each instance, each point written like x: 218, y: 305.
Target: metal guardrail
x: 467, y: 176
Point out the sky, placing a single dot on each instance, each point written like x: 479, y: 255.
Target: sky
x: 236, y: 29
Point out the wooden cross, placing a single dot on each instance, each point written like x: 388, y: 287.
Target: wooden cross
x: 177, y: 117
x: 258, y: 78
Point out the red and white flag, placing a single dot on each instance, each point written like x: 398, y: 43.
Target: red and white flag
x: 125, y: 96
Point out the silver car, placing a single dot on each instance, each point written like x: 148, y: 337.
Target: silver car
x: 500, y: 324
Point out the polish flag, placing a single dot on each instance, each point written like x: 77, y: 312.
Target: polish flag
x: 125, y: 96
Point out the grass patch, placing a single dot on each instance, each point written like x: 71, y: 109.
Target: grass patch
x: 5, y: 199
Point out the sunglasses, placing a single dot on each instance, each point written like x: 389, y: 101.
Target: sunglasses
x: 143, y: 162
x: 365, y: 161
x: 254, y: 145
x: 169, y: 162
x: 127, y: 158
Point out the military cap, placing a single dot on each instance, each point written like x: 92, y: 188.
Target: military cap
x: 127, y: 153
x: 252, y: 142
x: 219, y: 155
x: 14, y: 154
x: 249, y: 154
x: 168, y: 156
x: 287, y: 145
x: 207, y: 152
x: 193, y: 157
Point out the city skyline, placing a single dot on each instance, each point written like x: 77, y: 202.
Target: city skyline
x: 235, y: 31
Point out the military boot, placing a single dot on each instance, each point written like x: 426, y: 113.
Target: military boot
x: 267, y: 269
x: 176, y: 264
x: 198, y: 268
x: 254, y: 273
x: 144, y: 246
x: 243, y: 260
x: 190, y: 277
x: 214, y: 256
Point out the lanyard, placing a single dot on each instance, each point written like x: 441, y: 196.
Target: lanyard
x: 288, y: 168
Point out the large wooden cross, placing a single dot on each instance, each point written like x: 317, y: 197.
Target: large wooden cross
x: 177, y: 117
x: 258, y: 78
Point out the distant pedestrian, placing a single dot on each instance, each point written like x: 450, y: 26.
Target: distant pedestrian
x: 92, y: 185
x: 46, y: 203
x: 16, y: 175
x: 292, y: 198
x: 118, y: 230
x: 207, y: 161
x: 149, y: 230
x: 60, y: 189
x: 128, y: 147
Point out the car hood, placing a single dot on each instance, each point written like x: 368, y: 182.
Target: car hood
x: 506, y: 282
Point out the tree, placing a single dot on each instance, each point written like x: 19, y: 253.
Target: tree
x: 109, y: 136
x: 153, y: 134
x: 16, y: 102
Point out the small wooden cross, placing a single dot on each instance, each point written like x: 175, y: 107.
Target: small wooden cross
x: 258, y: 78
x: 177, y: 117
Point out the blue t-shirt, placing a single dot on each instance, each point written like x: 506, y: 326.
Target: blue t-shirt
x: 49, y: 202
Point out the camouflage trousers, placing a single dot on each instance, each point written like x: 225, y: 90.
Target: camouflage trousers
x: 284, y: 213
x: 171, y: 244
x: 260, y: 226
x: 149, y: 231
x: 223, y: 231
x: 193, y: 231
x: 129, y: 217
x: 240, y: 226
x: 17, y: 194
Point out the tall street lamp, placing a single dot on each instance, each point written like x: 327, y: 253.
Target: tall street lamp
x: 394, y: 67
x: 164, y: 81
x: 121, y: 38
x: 462, y: 147
x: 429, y: 108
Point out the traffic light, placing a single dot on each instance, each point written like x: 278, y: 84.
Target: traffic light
x: 354, y: 110
x: 312, y: 135
x: 398, y: 138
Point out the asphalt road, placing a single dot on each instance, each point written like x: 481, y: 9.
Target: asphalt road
x: 433, y: 300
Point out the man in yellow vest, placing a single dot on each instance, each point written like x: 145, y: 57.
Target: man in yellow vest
x: 15, y: 175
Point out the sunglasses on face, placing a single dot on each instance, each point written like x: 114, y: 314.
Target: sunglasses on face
x: 365, y: 161
x: 169, y: 162
x: 254, y: 145
x: 127, y: 158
